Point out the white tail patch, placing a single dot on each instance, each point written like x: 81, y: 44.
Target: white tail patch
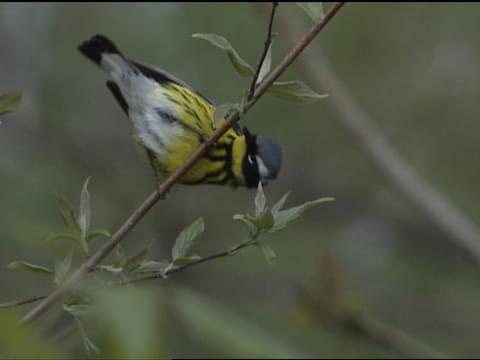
x: 115, y: 65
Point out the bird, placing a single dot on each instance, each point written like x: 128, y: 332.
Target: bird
x: 170, y: 120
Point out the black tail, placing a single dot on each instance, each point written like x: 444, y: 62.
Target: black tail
x: 96, y: 46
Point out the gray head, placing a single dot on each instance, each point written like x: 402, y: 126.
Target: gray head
x: 269, y: 158
x: 262, y: 161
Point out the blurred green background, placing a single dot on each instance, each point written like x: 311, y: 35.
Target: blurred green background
x: 370, y: 254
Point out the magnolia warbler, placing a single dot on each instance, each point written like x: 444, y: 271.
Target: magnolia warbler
x: 170, y: 120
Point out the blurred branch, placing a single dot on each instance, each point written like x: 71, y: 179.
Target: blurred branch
x: 389, y: 336
x: 22, y: 302
x: 334, y: 302
x: 138, y: 214
x: 356, y: 120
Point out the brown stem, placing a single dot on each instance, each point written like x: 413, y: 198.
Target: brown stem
x: 22, y: 302
x: 390, y: 336
x: 147, y: 276
x: 156, y: 275
x: 138, y: 214
x: 268, y: 42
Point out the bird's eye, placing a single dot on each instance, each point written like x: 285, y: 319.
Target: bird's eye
x: 250, y: 160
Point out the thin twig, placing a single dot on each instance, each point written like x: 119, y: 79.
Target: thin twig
x: 32, y: 299
x: 390, y: 336
x: 157, y: 275
x: 22, y: 302
x: 268, y: 42
x: 148, y: 275
x: 138, y: 214
x: 359, y: 124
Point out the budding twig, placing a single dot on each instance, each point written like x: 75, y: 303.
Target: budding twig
x: 151, y: 275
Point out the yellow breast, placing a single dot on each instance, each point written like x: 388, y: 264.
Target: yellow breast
x: 221, y: 165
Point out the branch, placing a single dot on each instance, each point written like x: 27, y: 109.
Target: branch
x: 390, y: 336
x: 358, y: 123
x: 268, y: 42
x: 386, y: 335
x: 149, y: 275
x: 158, y: 275
x: 172, y: 179
x: 22, y: 302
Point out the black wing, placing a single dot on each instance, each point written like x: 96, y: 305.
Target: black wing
x: 117, y: 94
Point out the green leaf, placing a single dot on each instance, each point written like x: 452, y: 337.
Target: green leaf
x: 295, y: 91
x: 155, y: 266
x: 85, y: 211
x: 9, y: 102
x: 62, y: 267
x: 134, y: 261
x: 243, y: 101
x: 98, y: 232
x: 240, y: 65
x: 266, y: 65
x: 268, y: 252
x: 185, y: 239
x: 222, y: 111
x: 77, y: 298
x: 84, y: 245
x: 29, y: 267
x: 249, y: 223
x: 279, y: 204
x: 68, y: 215
x: 313, y: 9
x: 91, y: 349
x: 260, y: 200
x: 186, y: 260
x: 283, y: 218
x: 71, y: 223
x: 120, y: 257
x: 58, y: 236
x: 76, y: 310
x: 264, y: 221
x: 110, y: 269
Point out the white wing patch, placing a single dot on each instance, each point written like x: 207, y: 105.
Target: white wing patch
x: 149, y: 109
x: 115, y: 65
